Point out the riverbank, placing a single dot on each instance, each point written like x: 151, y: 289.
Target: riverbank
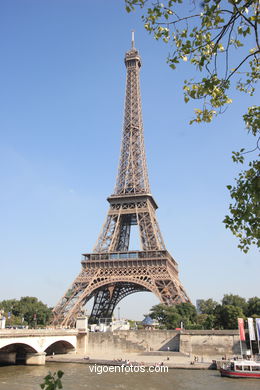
x: 171, y: 360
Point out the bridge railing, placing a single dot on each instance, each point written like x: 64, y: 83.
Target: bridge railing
x: 37, y: 332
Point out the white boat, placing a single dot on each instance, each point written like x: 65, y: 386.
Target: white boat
x: 241, y: 369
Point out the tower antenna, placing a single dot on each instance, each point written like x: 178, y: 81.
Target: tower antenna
x: 133, y: 39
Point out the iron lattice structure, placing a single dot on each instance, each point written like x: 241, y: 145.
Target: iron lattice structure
x: 112, y: 272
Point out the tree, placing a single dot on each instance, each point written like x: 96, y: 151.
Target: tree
x: 245, y: 213
x: 172, y: 316
x: 212, y: 314
x: 235, y: 300
x: 159, y: 312
x: 27, y: 310
x: 253, y: 307
x: 207, y: 306
x: 188, y: 313
x: 206, y: 321
x: 167, y: 316
x: 227, y: 315
x: 206, y: 35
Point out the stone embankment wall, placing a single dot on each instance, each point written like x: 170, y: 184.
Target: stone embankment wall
x: 211, y: 344
x: 132, y: 341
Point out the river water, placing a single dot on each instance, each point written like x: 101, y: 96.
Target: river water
x: 79, y: 377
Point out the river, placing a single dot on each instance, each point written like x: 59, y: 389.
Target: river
x: 79, y: 377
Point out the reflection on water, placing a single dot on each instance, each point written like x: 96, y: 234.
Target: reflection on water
x: 79, y: 377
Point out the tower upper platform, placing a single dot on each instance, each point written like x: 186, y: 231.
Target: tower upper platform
x: 132, y: 56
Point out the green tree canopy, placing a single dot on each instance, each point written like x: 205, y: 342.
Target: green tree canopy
x: 235, y: 300
x: 227, y: 315
x: 207, y: 306
x: 216, y: 315
x: 28, y: 310
x: 206, y: 34
x: 172, y: 316
x: 188, y: 312
x: 167, y: 316
x: 206, y: 321
x: 253, y: 307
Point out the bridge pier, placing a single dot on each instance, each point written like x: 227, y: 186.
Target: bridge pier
x: 82, y: 337
x: 35, y: 359
x: 7, y: 357
x: 82, y: 342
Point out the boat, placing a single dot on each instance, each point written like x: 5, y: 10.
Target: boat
x: 241, y: 369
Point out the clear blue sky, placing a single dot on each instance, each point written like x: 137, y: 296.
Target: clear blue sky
x: 62, y: 84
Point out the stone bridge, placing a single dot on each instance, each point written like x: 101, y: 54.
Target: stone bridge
x: 31, y: 346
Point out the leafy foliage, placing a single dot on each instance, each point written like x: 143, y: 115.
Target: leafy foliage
x: 27, y: 310
x: 253, y: 307
x: 52, y: 381
x: 235, y: 300
x: 226, y: 316
x: 245, y: 212
x: 206, y: 321
x: 206, y: 34
x: 207, y: 306
x: 212, y: 314
x: 172, y: 316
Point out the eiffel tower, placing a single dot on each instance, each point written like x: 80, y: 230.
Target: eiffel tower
x: 113, y: 271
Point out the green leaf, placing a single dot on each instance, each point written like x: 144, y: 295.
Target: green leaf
x: 60, y: 374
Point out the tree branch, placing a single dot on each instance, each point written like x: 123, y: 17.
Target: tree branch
x: 241, y: 14
x: 241, y: 63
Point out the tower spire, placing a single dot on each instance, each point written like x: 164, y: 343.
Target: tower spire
x: 132, y: 175
x: 133, y: 39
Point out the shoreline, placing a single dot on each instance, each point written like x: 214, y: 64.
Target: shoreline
x: 114, y: 362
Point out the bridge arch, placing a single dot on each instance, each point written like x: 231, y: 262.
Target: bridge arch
x: 14, y: 347
x: 59, y: 347
x: 18, y: 350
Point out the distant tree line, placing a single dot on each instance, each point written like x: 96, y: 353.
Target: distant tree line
x: 25, y: 311
x: 210, y: 314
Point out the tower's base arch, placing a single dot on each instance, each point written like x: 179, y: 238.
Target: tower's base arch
x: 109, y: 281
